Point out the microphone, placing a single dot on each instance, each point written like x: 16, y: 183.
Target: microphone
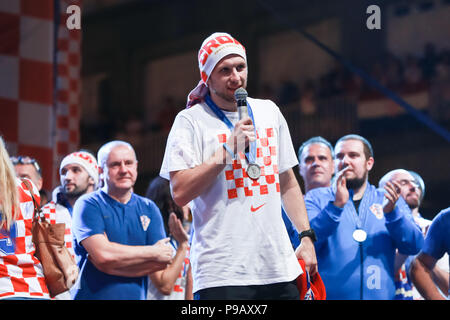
x: 241, y: 98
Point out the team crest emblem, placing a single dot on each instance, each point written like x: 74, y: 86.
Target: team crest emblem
x: 377, y: 210
x: 145, y: 221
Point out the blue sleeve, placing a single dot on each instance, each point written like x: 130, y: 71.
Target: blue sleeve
x: 87, y: 219
x: 323, y: 218
x: 292, y: 232
x: 437, y: 241
x: 405, y: 233
x: 156, y: 230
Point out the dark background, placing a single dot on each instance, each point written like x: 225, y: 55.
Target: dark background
x: 121, y: 38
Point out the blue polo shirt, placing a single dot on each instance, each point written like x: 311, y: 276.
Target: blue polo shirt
x: 135, y: 223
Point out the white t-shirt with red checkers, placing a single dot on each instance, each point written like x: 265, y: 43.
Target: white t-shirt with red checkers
x: 239, y: 235
x: 21, y: 273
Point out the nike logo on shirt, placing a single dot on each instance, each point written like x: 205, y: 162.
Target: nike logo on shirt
x: 257, y: 208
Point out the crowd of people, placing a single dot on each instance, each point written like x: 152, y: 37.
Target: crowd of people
x: 400, y: 74
x: 227, y: 218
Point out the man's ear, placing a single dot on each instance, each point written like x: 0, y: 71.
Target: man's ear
x: 370, y: 163
x: 39, y: 184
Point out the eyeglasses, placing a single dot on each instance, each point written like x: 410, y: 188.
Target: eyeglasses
x: 26, y: 160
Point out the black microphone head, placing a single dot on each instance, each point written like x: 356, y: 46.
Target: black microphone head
x: 240, y: 94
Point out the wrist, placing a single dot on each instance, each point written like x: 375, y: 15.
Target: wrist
x: 310, y: 234
x: 183, y: 245
x: 339, y: 204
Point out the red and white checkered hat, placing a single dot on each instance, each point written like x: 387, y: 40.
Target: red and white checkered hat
x: 84, y: 159
x: 213, y: 49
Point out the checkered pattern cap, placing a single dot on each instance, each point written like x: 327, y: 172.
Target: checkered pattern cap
x: 84, y: 159
x: 213, y: 49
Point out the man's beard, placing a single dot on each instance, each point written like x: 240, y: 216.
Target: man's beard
x: 75, y: 193
x: 356, y: 183
x: 225, y: 97
x: 413, y: 204
x: 223, y: 94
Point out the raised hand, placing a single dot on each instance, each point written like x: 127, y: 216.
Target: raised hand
x: 342, y: 194
x: 392, y: 194
x: 176, y: 229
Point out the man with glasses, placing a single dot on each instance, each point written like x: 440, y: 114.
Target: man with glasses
x: 412, y: 190
x: 27, y: 167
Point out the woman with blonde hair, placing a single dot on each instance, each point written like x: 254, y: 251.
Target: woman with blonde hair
x: 21, y: 275
x: 9, y: 198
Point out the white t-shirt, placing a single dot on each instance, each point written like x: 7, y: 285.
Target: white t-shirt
x: 239, y: 235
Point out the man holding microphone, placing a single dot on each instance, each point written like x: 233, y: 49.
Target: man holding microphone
x: 236, y: 173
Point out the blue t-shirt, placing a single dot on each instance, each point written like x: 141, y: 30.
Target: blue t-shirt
x: 437, y: 241
x: 138, y: 222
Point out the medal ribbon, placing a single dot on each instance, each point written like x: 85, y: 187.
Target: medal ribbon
x: 251, y: 155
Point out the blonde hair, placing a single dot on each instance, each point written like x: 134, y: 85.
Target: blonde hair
x: 9, y: 197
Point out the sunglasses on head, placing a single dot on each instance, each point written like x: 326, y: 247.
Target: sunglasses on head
x: 26, y: 160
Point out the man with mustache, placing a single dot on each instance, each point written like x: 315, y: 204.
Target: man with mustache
x: 359, y: 227
x: 412, y: 189
x: 78, y: 175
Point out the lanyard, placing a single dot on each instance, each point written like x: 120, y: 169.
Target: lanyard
x: 251, y: 155
x: 359, y: 217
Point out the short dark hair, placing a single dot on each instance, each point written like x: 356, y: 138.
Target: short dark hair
x: 314, y: 140
x: 368, y: 151
x: 158, y: 191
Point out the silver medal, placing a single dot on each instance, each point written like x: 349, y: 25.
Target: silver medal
x: 359, y: 235
x: 254, y: 171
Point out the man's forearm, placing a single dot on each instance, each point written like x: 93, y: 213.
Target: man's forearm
x: 190, y: 183
x: 125, y: 260
x: 293, y: 201
x: 132, y: 270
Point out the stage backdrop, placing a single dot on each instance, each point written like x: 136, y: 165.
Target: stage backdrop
x: 39, y: 82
